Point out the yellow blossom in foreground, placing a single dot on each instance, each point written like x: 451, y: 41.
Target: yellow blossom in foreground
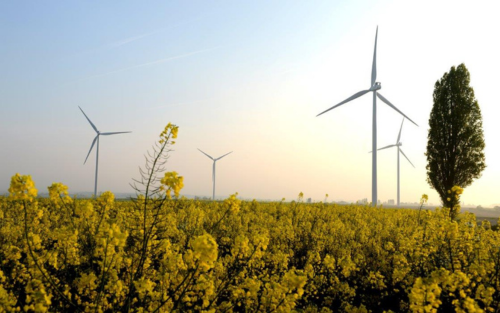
x: 232, y: 203
x: 457, y: 190
x: 425, y: 297
x: 22, y: 187
x: 241, y: 256
x: 58, y: 192
x: 37, y: 298
x: 205, y: 251
x: 170, y: 132
x: 144, y: 287
x: 106, y: 200
x: 172, y: 182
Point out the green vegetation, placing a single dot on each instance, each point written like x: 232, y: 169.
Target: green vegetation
x: 455, y: 144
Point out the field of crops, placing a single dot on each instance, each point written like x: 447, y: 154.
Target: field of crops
x: 163, y: 255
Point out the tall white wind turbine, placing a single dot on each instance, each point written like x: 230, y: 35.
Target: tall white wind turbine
x: 97, y: 152
x: 398, y: 145
x: 213, y: 169
x: 374, y: 87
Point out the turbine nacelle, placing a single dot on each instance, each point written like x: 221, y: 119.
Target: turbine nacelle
x: 376, y: 86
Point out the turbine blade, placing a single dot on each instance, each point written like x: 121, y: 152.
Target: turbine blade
x: 374, y: 65
x: 206, y: 155
x: 406, y: 157
x: 392, y: 106
x: 399, y: 136
x: 386, y: 147
x: 88, y: 119
x: 105, y: 134
x: 92, y: 146
x: 356, y: 95
x: 383, y: 148
x: 223, y: 156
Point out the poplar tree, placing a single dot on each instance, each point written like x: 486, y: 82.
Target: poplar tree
x: 455, y: 143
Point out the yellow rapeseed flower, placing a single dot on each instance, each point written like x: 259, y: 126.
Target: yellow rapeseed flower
x: 424, y: 199
x: 172, y: 182
x: 170, y: 132
x: 232, y: 203
x: 205, y: 250
x: 457, y: 190
x: 58, y: 192
x: 22, y: 187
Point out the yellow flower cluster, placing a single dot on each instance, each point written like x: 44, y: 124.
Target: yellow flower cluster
x: 204, y: 251
x: 455, y: 192
x: 424, y: 199
x: 232, y: 203
x: 456, y: 287
x: 7, y: 299
x: 37, y: 299
x: 22, y: 187
x: 170, y: 132
x: 172, y: 182
x: 58, y: 194
x: 453, y: 200
x: 238, y: 256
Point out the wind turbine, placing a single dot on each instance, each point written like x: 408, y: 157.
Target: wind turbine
x: 398, y: 144
x: 374, y: 87
x: 213, y: 170
x: 92, y: 146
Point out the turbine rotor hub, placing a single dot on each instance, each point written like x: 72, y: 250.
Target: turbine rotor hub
x: 376, y: 86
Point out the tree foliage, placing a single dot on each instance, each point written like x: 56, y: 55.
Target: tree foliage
x: 455, y: 144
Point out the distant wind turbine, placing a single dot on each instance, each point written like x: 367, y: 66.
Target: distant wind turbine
x: 97, y: 152
x: 398, y: 145
x: 374, y: 87
x: 213, y: 169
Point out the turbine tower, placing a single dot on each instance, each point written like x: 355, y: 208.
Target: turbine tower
x: 213, y: 169
x: 398, y: 145
x: 374, y: 87
x: 97, y: 152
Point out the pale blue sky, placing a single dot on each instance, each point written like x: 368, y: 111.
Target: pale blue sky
x: 243, y: 77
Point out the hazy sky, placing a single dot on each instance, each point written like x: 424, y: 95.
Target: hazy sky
x: 248, y: 77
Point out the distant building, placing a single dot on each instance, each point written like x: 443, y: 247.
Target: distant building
x: 390, y: 201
